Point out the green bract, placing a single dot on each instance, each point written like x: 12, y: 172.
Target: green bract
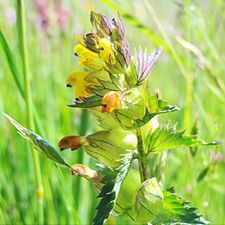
x: 110, y: 146
x: 149, y: 201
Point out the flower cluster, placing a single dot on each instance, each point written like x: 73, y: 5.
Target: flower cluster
x: 113, y: 86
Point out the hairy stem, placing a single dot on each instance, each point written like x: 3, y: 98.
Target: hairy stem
x: 141, y: 156
x: 27, y: 94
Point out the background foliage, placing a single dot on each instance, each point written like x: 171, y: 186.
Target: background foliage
x: 190, y: 77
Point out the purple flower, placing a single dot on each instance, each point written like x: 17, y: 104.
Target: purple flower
x: 101, y: 24
x: 119, y: 28
x: 144, y: 63
x: 42, y: 8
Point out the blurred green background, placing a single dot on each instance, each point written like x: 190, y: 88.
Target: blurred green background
x: 189, y: 73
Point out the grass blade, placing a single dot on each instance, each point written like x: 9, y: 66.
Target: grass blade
x: 11, y: 62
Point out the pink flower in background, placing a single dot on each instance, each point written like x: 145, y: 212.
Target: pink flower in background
x: 51, y: 12
x: 63, y: 17
x: 216, y: 156
x: 42, y: 8
x: 10, y: 15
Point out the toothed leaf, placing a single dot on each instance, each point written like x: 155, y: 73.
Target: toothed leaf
x: 165, y: 138
x: 109, y: 192
x: 175, y: 210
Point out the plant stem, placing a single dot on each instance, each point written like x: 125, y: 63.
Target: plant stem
x: 28, y: 99
x: 83, y: 130
x: 142, y: 156
x: 80, y: 184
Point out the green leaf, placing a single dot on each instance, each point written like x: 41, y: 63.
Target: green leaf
x: 203, y: 173
x: 175, y: 210
x: 92, y: 101
x: 157, y: 106
x: 40, y: 144
x: 16, y: 73
x: 112, y: 183
x: 149, y: 201
x: 11, y: 62
x: 194, y: 131
x: 165, y: 138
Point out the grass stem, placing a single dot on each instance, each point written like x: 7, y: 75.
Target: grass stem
x: 28, y: 99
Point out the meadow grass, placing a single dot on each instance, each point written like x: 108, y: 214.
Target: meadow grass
x: 199, y: 92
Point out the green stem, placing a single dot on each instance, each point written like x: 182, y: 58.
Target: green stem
x: 80, y: 184
x: 83, y: 130
x: 27, y: 92
x: 141, y: 157
x: 80, y: 158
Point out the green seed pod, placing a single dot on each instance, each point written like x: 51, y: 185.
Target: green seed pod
x: 128, y: 192
x: 149, y: 201
x: 109, y: 147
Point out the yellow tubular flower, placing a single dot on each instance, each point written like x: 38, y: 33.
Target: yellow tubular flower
x: 88, y: 58
x: 106, y: 50
x: 110, y: 101
x: 77, y: 80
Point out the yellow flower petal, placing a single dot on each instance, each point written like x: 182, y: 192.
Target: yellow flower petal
x: 106, y: 50
x: 110, y: 101
x: 77, y: 80
x: 88, y: 58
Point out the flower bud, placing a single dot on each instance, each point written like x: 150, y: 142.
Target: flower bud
x: 118, y: 30
x: 84, y: 171
x: 145, y: 63
x: 72, y: 142
x: 101, y: 23
x: 88, y: 41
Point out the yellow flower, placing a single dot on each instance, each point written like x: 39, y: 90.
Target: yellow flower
x: 88, y: 58
x: 106, y: 50
x: 77, y: 80
x: 110, y: 101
